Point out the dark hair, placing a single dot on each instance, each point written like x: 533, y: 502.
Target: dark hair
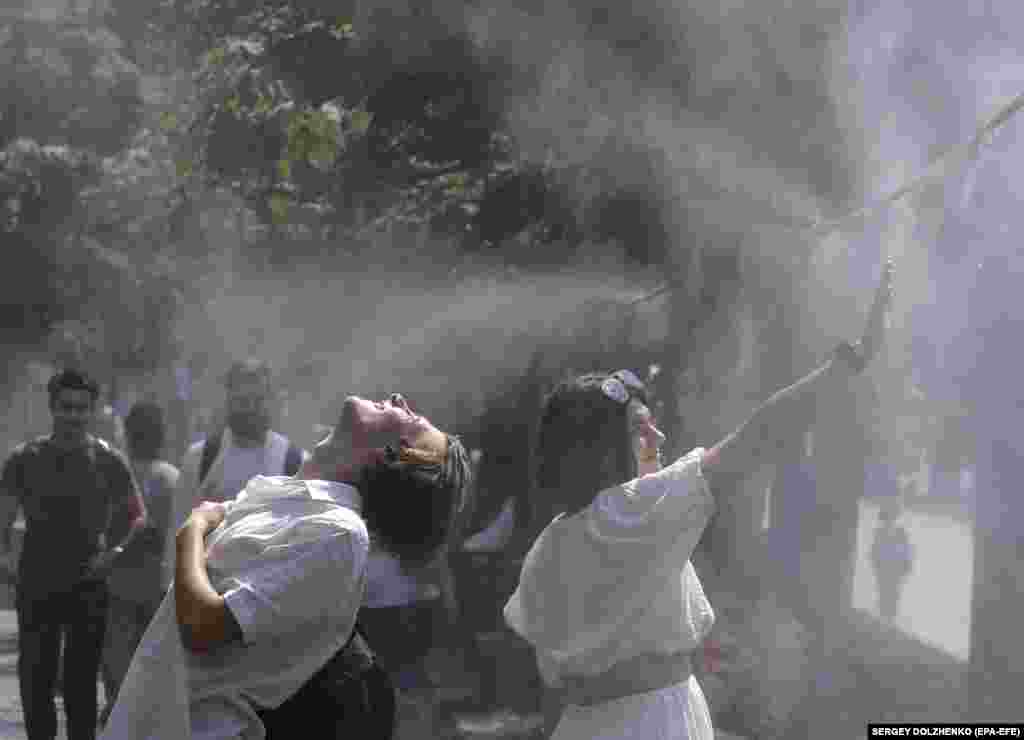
x: 415, y: 508
x: 583, y: 446
x: 72, y: 380
x: 247, y: 370
x: 144, y: 430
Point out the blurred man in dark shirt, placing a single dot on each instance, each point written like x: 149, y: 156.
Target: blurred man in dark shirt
x: 82, y: 507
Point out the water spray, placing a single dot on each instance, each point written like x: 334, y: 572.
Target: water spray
x: 934, y: 171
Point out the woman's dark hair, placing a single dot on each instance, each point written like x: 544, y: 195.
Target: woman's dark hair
x: 72, y: 380
x: 144, y: 430
x: 414, y: 508
x: 583, y: 446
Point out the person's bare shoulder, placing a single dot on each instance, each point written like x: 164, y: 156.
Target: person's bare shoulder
x: 169, y: 474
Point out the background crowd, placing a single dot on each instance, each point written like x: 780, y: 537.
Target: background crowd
x: 433, y: 627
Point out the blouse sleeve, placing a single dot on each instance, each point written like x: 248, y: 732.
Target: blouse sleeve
x: 665, y: 509
x: 588, y: 577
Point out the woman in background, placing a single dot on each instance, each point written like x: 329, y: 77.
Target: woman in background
x: 138, y: 579
x: 892, y: 557
x: 607, y: 595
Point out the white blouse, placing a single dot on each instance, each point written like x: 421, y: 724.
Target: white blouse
x: 615, y: 580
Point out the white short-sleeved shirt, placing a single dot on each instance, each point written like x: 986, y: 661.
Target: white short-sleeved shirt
x: 230, y: 471
x: 290, y: 559
x: 615, y: 580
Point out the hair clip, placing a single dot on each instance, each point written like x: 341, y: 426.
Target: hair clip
x: 615, y: 389
x: 630, y: 380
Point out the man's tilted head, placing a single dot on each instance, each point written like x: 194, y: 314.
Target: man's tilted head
x: 413, y: 477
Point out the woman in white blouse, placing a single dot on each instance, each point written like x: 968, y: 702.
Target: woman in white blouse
x: 607, y: 595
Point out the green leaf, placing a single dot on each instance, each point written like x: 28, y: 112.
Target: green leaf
x: 216, y: 55
x: 296, y: 135
x: 313, y: 136
x: 278, y: 207
x: 322, y: 155
x: 298, y: 143
x: 284, y: 168
x: 168, y: 121
x: 263, y: 104
x: 183, y: 167
x: 455, y: 184
x: 232, y: 104
x: 324, y: 149
x: 361, y: 120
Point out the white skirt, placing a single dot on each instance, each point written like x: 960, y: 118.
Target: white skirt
x: 676, y: 712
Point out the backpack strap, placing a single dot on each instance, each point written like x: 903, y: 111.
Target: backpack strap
x: 210, y: 449
x: 292, y: 460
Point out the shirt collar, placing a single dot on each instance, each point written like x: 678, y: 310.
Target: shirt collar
x: 340, y: 493
x: 264, y: 488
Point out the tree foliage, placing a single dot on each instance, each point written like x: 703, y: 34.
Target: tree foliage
x: 298, y: 105
x: 67, y: 85
x: 360, y: 112
x: 490, y: 124
x: 68, y: 180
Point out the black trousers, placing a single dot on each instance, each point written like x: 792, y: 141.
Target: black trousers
x: 350, y: 697
x: 80, y: 615
x: 401, y: 636
x: 363, y: 709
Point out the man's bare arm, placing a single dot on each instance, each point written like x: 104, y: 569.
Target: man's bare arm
x: 131, y: 518
x: 203, y: 616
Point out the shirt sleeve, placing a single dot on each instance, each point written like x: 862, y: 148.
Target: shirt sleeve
x: 10, y: 495
x: 298, y: 585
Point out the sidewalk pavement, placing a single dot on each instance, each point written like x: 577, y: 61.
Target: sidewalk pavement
x: 12, y: 721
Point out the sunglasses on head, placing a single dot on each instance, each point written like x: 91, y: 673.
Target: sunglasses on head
x: 621, y: 386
